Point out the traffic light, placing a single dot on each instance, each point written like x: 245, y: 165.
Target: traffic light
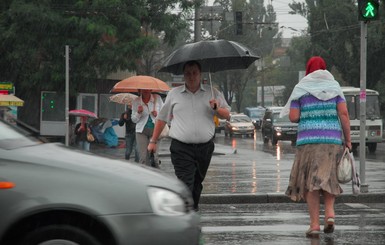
x: 238, y: 23
x: 368, y: 10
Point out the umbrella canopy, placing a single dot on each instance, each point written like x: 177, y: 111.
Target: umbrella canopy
x: 134, y: 83
x: 10, y: 100
x: 213, y: 55
x: 82, y: 113
x: 123, y: 98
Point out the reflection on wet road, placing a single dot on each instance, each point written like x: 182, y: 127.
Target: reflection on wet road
x: 263, y: 168
x: 286, y: 223
x: 258, y: 168
x: 255, y: 143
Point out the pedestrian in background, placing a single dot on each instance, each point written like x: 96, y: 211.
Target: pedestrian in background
x: 318, y: 105
x: 144, y: 112
x: 81, y: 130
x: 192, y: 130
x: 125, y: 119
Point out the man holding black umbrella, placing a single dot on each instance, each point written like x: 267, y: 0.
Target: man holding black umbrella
x: 191, y: 109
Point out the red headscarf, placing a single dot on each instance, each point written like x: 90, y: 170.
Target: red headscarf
x: 315, y: 63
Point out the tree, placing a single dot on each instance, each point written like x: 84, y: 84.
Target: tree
x: 334, y: 32
x: 297, y: 54
x: 104, y: 36
x: 257, y: 36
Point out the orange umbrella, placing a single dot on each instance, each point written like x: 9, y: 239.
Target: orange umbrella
x: 134, y: 83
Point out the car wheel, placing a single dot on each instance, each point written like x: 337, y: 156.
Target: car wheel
x: 59, y: 234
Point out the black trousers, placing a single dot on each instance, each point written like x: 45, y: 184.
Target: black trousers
x: 191, y: 162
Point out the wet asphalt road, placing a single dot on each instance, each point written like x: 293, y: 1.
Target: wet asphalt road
x: 286, y: 223
x: 259, y: 168
x: 247, y: 166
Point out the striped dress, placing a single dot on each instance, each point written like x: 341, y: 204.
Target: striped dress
x: 319, y: 123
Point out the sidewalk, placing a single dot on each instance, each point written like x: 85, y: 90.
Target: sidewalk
x: 246, y: 176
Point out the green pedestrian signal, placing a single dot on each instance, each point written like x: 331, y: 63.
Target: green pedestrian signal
x: 368, y: 10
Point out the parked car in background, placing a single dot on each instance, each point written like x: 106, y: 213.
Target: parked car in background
x: 53, y: 194
x: 239, y: 124
x: 275, y: 128
x: 256, y: 115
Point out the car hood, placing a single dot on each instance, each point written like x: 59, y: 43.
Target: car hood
x: 242, y: 124
x: 52, y: 174
x: 286, y: 124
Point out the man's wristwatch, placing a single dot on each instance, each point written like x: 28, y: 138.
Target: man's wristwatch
x: 152, y: 141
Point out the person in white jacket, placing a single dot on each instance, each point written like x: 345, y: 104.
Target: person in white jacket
x: 145, y: 109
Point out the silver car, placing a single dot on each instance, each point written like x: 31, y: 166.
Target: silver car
x: 52, y: 194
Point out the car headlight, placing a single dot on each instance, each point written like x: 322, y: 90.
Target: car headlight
x: 165, y: 202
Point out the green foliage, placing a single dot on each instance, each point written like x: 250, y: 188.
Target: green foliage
x: 104, y: 36
x: 239, y: 86
x: 334, y: 32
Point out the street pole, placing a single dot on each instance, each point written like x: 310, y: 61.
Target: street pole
x: 67, y: 94
x: 263, y: 88
x: 364, y: 31
x: 197, y: 25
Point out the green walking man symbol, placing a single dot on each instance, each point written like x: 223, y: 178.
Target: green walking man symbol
x: 369, y: 10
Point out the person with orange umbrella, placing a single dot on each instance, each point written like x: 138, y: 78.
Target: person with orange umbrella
x: 145, y: 109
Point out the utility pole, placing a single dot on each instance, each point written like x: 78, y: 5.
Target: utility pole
x: 67, y: 54
x: 368, y: 10
x: 364, y: 33
x: 197, y: 25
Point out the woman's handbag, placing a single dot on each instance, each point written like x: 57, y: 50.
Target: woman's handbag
x: 344, y: 167
x: 346, y: 171
x: 90, y: 137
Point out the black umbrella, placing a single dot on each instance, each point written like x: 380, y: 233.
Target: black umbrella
x: 213, y: 55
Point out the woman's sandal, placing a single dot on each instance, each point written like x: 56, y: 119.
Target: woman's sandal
x: 329, y: 225
x: 313, y: 233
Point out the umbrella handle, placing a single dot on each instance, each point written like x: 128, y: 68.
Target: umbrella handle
x: 212, y: 91
x: 211, y: 85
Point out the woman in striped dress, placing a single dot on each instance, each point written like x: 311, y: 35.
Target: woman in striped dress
x: 318, y: 105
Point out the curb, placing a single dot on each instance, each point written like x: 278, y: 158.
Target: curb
x: 281, y: 198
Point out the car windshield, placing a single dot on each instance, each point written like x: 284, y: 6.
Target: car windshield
x: 240, y: 119
x: 277, y: 118
x: 257, y: 113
